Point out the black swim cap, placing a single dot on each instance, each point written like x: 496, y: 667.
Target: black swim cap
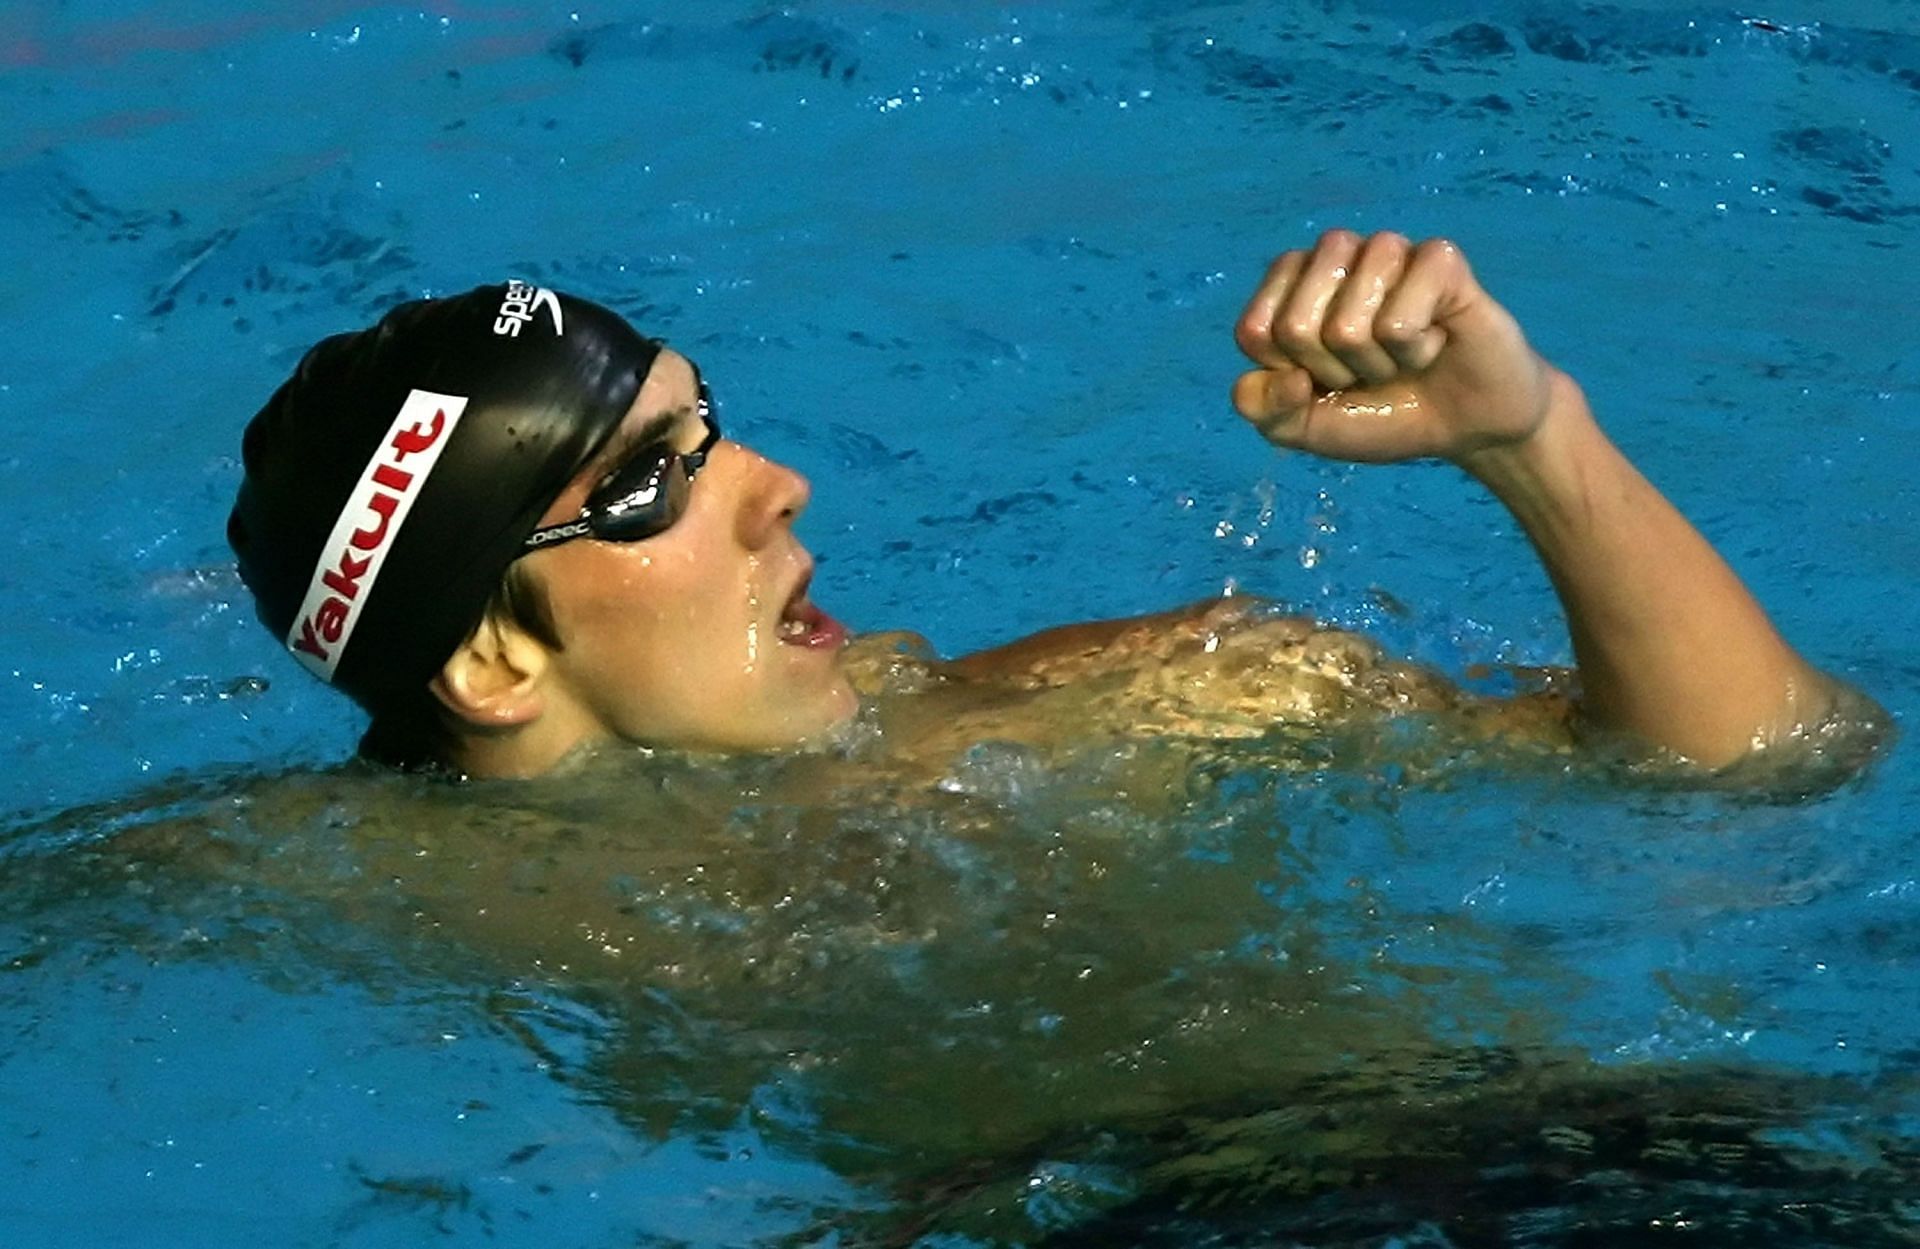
x: 391, y: 480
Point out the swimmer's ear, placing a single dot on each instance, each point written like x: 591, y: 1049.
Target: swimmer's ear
x: 493, y: 679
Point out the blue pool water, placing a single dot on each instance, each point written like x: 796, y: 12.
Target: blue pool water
x: 971, y: 269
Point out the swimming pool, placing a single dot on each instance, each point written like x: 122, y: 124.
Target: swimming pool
x: 972, y: 271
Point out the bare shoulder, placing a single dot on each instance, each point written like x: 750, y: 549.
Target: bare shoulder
x: 1219, y: 670
x: 1068, y: 653
x: 1231, y: 667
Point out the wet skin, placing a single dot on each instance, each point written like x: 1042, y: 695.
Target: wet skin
x: 701, y: 636
x: 1374, y: 350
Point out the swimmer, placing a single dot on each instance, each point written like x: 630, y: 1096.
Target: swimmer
x: 512, y: 529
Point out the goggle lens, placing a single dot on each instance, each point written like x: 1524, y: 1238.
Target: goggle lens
x: 644, y: 496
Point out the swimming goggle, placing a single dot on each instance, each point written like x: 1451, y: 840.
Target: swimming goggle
x: 641, y: 498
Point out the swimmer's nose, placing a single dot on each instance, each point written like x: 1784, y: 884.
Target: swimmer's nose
x: 774, y: 497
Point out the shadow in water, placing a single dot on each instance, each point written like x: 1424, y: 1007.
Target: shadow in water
x: 1477, y: 1148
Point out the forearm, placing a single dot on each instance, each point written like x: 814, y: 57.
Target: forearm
x: 1671, y: 646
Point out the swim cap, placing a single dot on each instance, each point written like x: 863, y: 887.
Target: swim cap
x: 391, y: 480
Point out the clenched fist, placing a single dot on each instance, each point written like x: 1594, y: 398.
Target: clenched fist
x: 1380, y: 350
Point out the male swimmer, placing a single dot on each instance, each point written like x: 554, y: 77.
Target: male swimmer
x: 510, y: 527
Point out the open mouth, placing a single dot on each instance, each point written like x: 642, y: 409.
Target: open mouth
x: 803, y: 624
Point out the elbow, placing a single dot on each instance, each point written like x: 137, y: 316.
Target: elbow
x: 1821, y: 735
x: 1831, y: 734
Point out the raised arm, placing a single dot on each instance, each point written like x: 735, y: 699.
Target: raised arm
x: 1378, y: 350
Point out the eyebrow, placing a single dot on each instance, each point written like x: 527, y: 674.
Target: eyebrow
x: 623, y: 444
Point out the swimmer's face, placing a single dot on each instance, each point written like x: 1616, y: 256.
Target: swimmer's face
x: 702, y: 635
